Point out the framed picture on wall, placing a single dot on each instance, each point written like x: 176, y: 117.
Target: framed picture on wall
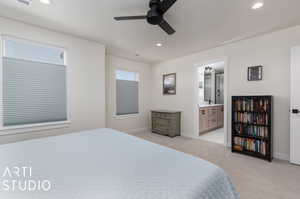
x: 255, y: 73
x: 169, y: 84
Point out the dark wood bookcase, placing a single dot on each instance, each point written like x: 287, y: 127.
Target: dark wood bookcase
x: 252, y: 126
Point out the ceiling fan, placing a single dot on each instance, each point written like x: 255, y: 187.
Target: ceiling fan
x: 155, y: 15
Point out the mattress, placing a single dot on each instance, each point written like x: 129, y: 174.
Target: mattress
x: 106, y: 164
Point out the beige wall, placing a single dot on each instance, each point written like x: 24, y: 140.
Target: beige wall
x: 134, y: 123
x: 86, y: 65
x: 271, y: 50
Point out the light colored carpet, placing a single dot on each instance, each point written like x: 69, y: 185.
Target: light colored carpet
x: 253, y: 178
x: 216, y: 136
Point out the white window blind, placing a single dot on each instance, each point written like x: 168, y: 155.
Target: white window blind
x: 34, y: 84
x: 127, y: 87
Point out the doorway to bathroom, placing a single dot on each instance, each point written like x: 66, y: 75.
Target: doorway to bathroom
x: 211, y: 102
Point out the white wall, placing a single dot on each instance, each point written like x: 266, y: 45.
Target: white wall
x: 271, y: 50
x: 133, y: 123
x: 86, y: 65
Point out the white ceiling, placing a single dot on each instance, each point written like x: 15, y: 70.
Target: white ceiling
x: 200, y: 24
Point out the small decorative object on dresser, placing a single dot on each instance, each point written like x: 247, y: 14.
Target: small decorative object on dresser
x: 166, y: 122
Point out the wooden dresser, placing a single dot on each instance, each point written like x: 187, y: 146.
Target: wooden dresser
x: 210, y: 117
x: 166, y: 122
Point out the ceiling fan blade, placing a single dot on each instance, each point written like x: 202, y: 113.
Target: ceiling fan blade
x: 166, y: 5
x: 166, y: 27
x: 130, y: 18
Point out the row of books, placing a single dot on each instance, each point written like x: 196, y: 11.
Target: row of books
x: 259, y: 146
x: 252, y: 130
x: 252, y: 105
x: 251, y: 118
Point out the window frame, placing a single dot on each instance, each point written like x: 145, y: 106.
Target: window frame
x: 133, y: 115
x: 16, y: 129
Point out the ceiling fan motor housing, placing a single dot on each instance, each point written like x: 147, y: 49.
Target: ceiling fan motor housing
x: 154, y: 2
x: 154, y: 16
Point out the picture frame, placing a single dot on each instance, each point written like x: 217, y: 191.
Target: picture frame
x: 255, y: 73
x: 169, y: 84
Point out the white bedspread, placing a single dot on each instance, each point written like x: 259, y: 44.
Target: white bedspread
x: 107, y: 164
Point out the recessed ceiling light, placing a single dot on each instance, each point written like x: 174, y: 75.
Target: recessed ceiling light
x: 159, y: 44
x: 47, y: 2
x: 257, y: 5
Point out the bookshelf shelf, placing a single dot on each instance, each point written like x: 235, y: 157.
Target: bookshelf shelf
x: 252, y: 126
x: 251, y: 153
x: 259, y: 112
x: 251, y: 137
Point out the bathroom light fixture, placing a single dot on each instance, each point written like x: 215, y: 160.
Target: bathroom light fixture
x: 208, y: 69
x: 159, y: 44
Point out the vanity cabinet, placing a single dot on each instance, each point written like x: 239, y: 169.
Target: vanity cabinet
x: 221, y: 117
x: 210, y: 118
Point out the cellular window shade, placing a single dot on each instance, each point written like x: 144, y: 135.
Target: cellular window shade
x: 127, y: 97
x: 33, y: 92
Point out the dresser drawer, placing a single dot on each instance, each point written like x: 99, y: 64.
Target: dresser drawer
x: 162, y: 124
x: 163, y: 115
x: 155, y: 114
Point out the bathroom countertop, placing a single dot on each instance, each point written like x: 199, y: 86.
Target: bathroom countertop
x: 209, y: 105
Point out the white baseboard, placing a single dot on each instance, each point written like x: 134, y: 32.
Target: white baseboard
x: 140, y: 130
x: 282, y: 156
x: 188, y: 135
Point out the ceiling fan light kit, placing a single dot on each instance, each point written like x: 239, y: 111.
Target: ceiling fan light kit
x: 155, y: 16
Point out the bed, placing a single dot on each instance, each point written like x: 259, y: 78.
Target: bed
x: 107, y: 164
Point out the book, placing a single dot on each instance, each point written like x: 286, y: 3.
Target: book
x: 251, y: 118
x: 248, y: 144
x: 251, y: 130
x: 261, y: 105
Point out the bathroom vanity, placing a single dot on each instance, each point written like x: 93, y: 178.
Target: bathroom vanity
x: 210, y: 117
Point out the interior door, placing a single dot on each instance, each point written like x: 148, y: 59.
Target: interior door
x: 295, y: 107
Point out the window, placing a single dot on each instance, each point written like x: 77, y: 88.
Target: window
x: 127, y: 92
x: 34, y: 84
